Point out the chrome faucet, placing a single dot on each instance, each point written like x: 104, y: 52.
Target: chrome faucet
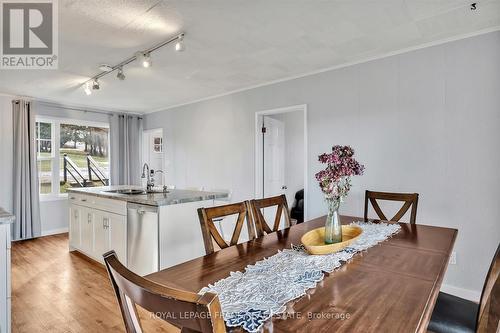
x: 150, y: 179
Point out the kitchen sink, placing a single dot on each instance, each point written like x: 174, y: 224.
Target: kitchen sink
x: 134, y: 191
x: 128, y: 191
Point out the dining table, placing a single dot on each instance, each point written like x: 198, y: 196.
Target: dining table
x: 390, y: 287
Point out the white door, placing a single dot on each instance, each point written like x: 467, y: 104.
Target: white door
x: 87, y: 230
x: 74, y: 226
x: 101, y: 234
x: 274, y: 157
x: 117, y: 229
x: 274, y: 164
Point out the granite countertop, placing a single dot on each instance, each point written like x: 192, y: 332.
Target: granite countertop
x: 6, y: 217
x: 172, y: 197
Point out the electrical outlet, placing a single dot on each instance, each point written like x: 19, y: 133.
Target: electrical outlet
x: 453, y: 258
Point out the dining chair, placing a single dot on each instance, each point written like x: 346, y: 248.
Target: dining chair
x: 455, y: 314
x: 409, y: 199
x: 172, y: 304
x: 210, y: 232
x: 227, y: 199
x: 281, y: 209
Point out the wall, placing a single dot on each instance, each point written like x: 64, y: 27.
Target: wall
x: 294, y: 151
x: 426, y: 121
x: 6, y: 142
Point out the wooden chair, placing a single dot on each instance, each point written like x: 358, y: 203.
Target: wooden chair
x: 209, y: 231
x: 131, y: 289
x: 455, y: 314
x: 409, y: 199
x: 260, y: 222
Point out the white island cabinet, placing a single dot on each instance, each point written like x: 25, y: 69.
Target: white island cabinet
x: 98, y: 225
x: 148, y: 232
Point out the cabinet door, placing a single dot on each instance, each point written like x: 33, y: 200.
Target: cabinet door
x: 86, y: 229
x: 75, y: 213
x: 101, y: 234
x: 118, y: 236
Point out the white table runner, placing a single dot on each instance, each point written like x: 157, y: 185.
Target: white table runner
x: 248, y: 299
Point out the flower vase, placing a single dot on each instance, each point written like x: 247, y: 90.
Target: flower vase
x: 333, y: 228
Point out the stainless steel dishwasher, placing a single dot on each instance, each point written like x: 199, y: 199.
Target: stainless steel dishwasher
x: 142, y: 239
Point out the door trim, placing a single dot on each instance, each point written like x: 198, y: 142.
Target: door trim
x: 258, y: 150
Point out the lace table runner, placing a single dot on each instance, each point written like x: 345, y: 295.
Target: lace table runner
x: 250, y: 298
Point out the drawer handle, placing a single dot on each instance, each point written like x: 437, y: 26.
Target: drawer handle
x: 84, y: 200
x: 72, y: 198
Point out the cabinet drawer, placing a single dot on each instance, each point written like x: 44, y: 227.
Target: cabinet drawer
x: 108, y: 205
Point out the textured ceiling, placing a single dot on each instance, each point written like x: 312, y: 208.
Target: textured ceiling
x: 230, y: 44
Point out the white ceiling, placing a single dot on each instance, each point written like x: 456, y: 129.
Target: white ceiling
x: 230, y: 44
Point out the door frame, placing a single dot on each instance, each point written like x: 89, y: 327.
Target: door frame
x: 258, y: 150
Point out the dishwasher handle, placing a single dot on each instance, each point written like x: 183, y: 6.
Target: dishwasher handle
x: 142, y: 209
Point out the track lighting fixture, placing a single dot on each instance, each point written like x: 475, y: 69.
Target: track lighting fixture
x: 179, y: 46
x: 120, y: 74
x: 105, y: 68
x: 87, y: 88
x: 143, y: 58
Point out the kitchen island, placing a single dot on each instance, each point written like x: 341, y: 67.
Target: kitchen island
x: 148, y: 231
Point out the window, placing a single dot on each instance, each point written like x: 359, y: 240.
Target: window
x: 45, y: 155
x: 67, y: 151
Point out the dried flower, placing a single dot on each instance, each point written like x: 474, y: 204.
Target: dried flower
x: 335, y: 179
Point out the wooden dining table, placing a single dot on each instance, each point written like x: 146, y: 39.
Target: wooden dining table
x: 391, y: 287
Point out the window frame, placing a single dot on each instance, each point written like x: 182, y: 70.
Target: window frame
x: 56, y: 156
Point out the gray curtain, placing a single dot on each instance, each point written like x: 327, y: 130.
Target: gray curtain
x: 26, y: 199
x: 126, y: 149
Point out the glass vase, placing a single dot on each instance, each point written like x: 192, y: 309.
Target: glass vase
x: 333, y: 228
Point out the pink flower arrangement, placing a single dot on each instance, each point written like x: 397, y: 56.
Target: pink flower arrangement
x: 335, y: 179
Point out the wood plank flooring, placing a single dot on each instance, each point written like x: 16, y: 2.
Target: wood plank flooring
x: 54, y: 290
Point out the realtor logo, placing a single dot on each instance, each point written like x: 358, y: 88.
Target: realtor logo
x: 29, y: 34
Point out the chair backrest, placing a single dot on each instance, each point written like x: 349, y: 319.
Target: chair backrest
x: 166, y: 303
x: 408, y: 199
x: 260, y: 222
x: 488, y: 316
x: 209, y: 231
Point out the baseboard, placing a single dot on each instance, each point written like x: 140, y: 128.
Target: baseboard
x: 54, y: 231
x: 471, y: 295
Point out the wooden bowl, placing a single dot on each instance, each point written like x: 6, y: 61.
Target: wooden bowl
x: 314, y: 240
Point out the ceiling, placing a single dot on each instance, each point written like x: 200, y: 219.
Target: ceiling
x: 230, y: 44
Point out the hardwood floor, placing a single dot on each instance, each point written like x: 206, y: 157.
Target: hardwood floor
x: 54, y: 290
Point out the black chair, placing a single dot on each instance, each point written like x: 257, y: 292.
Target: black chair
x: 297, y: 212
x: 454, y: 314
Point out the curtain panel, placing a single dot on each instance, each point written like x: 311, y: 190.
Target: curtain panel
x: 25, y: 175
x: 126, y: 149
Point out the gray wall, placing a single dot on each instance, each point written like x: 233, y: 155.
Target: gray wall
x: 6, y: 142
x: 426, y: 121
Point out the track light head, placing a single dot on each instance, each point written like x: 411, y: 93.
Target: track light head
x: 179, y: 46
x: 120, y: 74
x: 95, y: 85
x: 87, y: 88
x: 105, y: 68
x: 144, y: 59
